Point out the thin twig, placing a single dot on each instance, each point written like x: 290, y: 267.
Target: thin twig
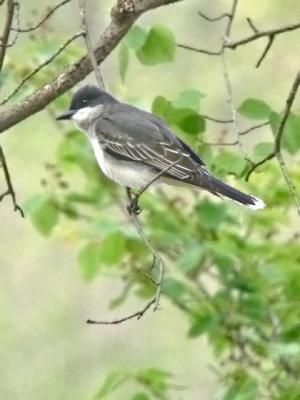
x: 6, y: 30
x: 217, y: 120
x: 231, y: 18
x: 47, y: 15
x: 221, y: 143
x: 229, y: 44
x: 276, y: 152
x: 265, y: 52
x: 157, y: 260
x: 251, y: 24
x: 133, y: 207
x: 260, y: 34
x: 88, y: 42
x: 137, y: 315
x: 40, y: 66
x: 226, y: 39
x: 213, y: 19
x: 10, y: 189
x: 289, y: 181
x: 204, y: 51
x: 280, y: 127
x: 253, y: 128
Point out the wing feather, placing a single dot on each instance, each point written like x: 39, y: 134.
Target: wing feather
x: 139, y: 136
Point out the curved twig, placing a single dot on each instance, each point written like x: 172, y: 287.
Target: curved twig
x: 38, y: 24
x: 39, y: 67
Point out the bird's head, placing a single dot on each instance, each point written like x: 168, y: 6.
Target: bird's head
x: 86, y: 105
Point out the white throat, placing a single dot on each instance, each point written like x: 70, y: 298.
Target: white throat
x: 85, y: 116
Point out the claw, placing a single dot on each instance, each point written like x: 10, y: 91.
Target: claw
x: 133, y: 207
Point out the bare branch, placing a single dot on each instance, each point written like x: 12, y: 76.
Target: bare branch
x: 241, y: 133
x: 217, y: 120
x: 251, y: 24
x: 39, y: 67
x: 134, y: 210
x: 277, y: 144
x: 289, y: 181
x: 261, y: 34
x: 221, y: 143
x: 231, y: 18
x: 197, y: 50
x: 253, y: 128
x: 133, y: 207
x: 10, y: 189
x: 88, y: 42
x: 280, y: 127
x: 47, y: 15
x: 213, y: 19
x: 137, y: 315
x: 120, y: 23
x: 6, y: 30
x: 265, y: 52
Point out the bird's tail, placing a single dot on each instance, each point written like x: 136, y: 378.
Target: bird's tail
x: 220, y: 188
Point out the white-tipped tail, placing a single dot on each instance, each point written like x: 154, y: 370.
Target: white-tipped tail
x: 258, y: 204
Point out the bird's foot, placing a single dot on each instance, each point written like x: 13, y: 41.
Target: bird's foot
x: 133, y: 208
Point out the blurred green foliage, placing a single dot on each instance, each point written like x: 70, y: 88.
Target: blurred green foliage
x: 234, y: 274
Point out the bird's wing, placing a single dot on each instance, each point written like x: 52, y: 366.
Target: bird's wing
x: 134, y: 135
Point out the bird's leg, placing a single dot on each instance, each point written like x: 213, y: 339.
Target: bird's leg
x: 132, y: 206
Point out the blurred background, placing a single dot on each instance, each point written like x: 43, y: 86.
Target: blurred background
x: 47, y: 350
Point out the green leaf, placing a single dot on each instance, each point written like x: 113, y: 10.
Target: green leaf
x: 140, y: 396
x: 112, y: 382
x: 254, y: 109
x: 163, y: 108
x: 155, y: 380
x: 245, y: 388
x: 261, y: 150
x: 159, y: 46
x: 191, y: 258
x: 189, y: 121
x: 108, y: 251
x: 290, y: 135
x: 230, y: 162
x: 43, y: 213
x: 189, y: 98
x: 211, y: 215
x: 174, y: 288
x: 89, y: 261
x: 136, y: 37
x: 112, y: 248
x: 75, y: 150
x: 123, y: 58
x: 202, y: 324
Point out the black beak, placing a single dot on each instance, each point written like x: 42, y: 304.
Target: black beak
x: 66, y: 115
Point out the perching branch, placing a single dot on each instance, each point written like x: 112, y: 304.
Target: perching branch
x: 10, y: 189
x: 133, y: 210
x: 121, y: 21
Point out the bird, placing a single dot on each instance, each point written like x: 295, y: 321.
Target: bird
x: 134, y: 147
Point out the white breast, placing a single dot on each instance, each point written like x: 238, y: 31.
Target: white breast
x: 125, y: 173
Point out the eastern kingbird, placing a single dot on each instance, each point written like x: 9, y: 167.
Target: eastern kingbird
x: 133, y: 146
